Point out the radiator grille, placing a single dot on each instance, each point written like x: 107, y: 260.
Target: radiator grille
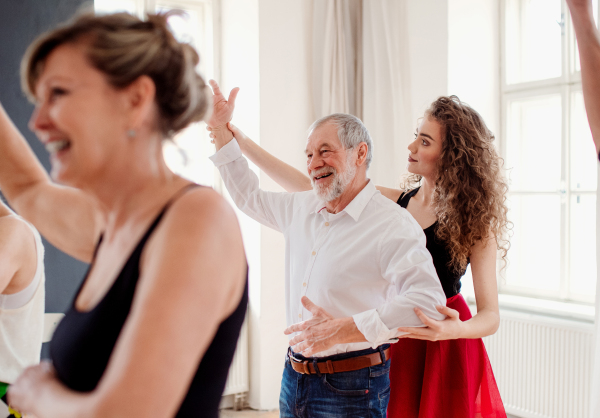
x: 543, y: 366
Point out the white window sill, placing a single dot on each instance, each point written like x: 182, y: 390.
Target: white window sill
x: 565, y: 310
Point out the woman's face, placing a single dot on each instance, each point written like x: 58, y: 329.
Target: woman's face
x: 79, y: 117
x: 425, y: 150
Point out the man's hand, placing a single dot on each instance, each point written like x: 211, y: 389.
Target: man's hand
x: 322, y: 331
x: 222, y: 111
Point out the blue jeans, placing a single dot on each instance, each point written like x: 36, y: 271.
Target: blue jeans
x: 361, y: 393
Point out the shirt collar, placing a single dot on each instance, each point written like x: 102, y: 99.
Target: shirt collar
x: 357, y: 205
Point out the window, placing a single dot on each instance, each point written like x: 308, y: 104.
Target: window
x: 187, y: 155
x: 549, y: 155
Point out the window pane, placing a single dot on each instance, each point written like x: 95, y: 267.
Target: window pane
x: 533, y: 40
x: 577, y: 62
x: 184, y: 26
x: 533, y: 143
x: 583, y: 153
x: 534, y: 254
x: 188, y: 154
x: 114, y: 6
x: 583, y: 246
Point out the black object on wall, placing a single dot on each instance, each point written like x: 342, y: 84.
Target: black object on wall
x: 21, y: 21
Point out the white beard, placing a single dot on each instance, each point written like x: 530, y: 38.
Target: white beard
x: 338, y: 183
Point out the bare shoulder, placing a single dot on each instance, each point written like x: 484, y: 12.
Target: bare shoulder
x: 392, y: 194
x: 14, y: 232
x: 198, y: 246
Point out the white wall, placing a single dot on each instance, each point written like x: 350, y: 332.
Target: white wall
x: 474, y: 56
x: 265, y: 46
x: 428, y: 44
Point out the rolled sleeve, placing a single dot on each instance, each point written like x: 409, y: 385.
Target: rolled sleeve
x: 372, y: 327
x: 227, y: 154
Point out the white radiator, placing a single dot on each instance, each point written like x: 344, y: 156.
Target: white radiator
x: 543, y: 365
x: 237, y: 380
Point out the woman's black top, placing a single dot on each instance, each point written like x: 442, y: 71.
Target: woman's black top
x: 439, y: 252
x: 83, y: 341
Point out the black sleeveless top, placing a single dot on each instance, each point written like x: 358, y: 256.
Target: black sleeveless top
x: 83, y: 341
x: 441, y: 257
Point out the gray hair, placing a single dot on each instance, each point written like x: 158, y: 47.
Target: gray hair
x: 351, y: 132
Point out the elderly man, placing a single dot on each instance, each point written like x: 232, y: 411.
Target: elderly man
x: 356, y: 268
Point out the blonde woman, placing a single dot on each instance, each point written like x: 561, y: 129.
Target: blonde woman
x: 153, y: 328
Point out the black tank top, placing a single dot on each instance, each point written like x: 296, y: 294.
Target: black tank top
x: 83, y: 341
x: 441, y: 256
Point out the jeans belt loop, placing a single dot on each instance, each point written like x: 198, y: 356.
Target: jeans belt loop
x: 316, y: 366
x: 382, y: 354
x: 306, y: 369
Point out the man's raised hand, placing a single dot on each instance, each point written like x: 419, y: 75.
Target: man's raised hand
x: 222, y: 110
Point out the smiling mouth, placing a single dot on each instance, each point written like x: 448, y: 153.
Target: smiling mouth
x: 56, y: 146
x: 322, y: 176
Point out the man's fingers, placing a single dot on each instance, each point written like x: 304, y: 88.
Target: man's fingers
x: 215, y: 88
x: 310, y: 306
x: 295, y: 328
x: 232, y: 95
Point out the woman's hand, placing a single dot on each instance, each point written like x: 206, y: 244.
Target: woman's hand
x: 222, y: 110
x: 448, y: 329
x: 27, y: 390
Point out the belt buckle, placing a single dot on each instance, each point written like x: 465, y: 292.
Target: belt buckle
x: 303, y: 363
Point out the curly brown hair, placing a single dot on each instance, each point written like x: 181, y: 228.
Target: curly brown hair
x: 469, y: 199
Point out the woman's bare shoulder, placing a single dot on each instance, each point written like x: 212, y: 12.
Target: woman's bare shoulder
x: 392, y: 194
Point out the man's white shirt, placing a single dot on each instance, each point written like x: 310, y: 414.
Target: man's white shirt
x: 368, y: 261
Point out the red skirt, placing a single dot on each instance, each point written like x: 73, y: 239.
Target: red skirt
x: 449, y: 379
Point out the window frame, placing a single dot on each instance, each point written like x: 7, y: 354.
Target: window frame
x: 568, y: 83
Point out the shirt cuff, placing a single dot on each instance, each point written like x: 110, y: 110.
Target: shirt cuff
x: 228, y: 153
x: 372, y: 327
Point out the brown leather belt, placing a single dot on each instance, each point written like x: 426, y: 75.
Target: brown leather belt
x: 337, y: 366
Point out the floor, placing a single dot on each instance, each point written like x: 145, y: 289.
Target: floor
x: 248, y: 413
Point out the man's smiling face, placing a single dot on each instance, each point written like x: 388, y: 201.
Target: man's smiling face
x: 330, y: 166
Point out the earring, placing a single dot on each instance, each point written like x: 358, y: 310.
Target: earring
x: 131, y: 133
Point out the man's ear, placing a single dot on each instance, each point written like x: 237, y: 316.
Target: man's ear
x: 362, y: 152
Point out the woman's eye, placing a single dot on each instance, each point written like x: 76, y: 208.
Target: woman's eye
x: 56, y: 92
x: 424, y: 142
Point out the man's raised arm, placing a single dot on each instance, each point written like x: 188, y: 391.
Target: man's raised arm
x: 274, y: 210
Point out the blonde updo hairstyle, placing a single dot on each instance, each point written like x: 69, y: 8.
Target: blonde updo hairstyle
x: 124, y: 47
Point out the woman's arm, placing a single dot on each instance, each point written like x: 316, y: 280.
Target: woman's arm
x: 193, y: 273
x: 588, y: 39
x: 487, y: 319
x: 67, y: 217
x: 288, y: 177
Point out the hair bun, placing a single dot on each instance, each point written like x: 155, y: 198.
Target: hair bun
x: 124, y: 48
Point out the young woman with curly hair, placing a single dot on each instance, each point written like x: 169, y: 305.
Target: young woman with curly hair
x: 455, y: 190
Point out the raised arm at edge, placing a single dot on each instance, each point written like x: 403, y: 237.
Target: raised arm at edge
x: 67, y: 217
x: 588, y: 39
